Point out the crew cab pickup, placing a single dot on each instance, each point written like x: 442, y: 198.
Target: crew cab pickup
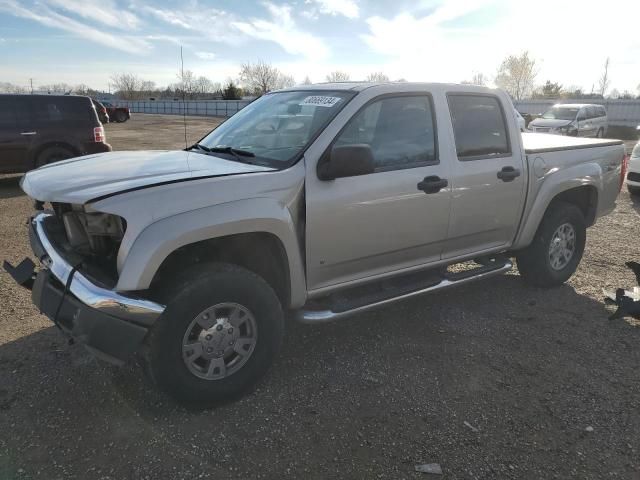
x: 321, y: 201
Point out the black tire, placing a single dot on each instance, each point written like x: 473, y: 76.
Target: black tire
x: 535, y: 263
x: 635, y: 191
x: 121, y: 117
x: 53, y: 154
x: 200, y: 288
x: 600, y: 133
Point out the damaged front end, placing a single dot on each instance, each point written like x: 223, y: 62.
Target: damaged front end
x: 77, y: 250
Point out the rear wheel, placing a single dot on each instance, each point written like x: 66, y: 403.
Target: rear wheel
x: 121, y: 117
x: 557, y: 247
x: 219, y: 334
x: 53, y: 154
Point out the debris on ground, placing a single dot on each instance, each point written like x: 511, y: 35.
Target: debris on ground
x: 433, y: 468
x: 628, y: 302
x: 589, y: 429
x: 471, y: 427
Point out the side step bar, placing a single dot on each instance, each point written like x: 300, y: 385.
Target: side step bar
x: 322, y: 316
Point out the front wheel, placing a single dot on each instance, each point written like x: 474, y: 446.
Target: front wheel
x: 219, y: 334
x: 557, y: 247
x: 121, y: 117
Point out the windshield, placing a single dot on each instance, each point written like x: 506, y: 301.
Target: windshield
x: 278, y: 126
x: 561, y: 113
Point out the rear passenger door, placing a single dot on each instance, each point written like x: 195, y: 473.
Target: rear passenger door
x: 15, y: 136
x: 488, y: 178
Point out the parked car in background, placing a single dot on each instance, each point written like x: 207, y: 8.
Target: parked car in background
x: 39, y: 129
x: 324, y: 201
x: 522, y: 124
x: 102, y: 111
x: 573, y: 119
x: 633, y: 177
x: 117, y: 114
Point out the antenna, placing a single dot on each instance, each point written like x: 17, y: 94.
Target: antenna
x: 184, y: 103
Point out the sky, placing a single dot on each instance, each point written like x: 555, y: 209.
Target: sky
x: 87, y: 41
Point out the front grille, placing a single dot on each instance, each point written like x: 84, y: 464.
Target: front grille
x: 541, y: 129
x: 633, y: 176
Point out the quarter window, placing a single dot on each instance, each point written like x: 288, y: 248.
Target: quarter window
x: 399, y: 130
x: 479, y: 126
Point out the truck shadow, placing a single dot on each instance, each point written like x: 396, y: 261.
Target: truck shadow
x: 10, y: 186
x: 497, y: 343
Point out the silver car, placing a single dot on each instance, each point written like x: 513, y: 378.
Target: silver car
x: 574, y: 119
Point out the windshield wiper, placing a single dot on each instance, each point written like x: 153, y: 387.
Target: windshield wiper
x: 236, y: 152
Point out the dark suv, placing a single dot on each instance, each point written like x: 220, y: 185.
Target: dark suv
x: 40, y: 129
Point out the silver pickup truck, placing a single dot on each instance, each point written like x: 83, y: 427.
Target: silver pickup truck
x: 321, y: 201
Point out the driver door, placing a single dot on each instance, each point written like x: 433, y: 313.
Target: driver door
x: 363, y: 226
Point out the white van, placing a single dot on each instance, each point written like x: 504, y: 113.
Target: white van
x: 573, y: 119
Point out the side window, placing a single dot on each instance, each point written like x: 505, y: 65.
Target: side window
x: 399, y: 130
x: 601, y: 112
x: 479, y: 126
x: 582, y: 114
x: 63, y: 109
x: 7, y: 113
x: 592, y: 112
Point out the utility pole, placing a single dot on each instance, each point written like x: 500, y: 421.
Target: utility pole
x: 31, y: 82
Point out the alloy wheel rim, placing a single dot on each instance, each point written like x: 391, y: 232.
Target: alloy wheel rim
x: 562, y: 246
x: 219, y: 341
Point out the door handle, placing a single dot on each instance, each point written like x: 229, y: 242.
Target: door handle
x: 28, y: 133
x: 432, y: 184
x: 508, y: 174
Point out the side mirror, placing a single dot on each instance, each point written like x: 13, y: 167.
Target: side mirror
x: 347, y: 161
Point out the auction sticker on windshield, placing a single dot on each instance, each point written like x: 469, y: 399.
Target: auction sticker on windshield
x: 320, y: 101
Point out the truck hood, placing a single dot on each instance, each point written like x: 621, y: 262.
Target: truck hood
x: 80, y: 180
x: 549, y: 122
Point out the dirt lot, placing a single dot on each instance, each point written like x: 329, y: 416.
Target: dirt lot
x: 493, y: 380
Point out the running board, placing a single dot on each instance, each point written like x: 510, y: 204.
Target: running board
x: 450, y: 280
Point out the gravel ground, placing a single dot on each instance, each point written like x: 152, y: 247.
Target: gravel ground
x: 492, y: 380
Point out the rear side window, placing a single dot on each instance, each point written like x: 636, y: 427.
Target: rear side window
x: 60, y: 109
x: 479, y: 126
x: 400, y: 131
x: 601, y: 112
x: 592, y: 112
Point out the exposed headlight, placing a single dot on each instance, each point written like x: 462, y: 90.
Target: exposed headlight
x: 86, y: 229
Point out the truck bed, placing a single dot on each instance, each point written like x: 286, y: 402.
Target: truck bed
x: 544, y: 142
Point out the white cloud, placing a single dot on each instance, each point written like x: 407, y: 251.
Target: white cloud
x: 445, y: 46
x: 102, y: 11
x: 205, y: 55
x: 50, y: 18
x: 208, y: 23
x: 281, y: 29
x: 347, y: 8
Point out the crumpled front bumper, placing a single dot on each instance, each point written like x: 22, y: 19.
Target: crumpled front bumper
x: 110, y: 325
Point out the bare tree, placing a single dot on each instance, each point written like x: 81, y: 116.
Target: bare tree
x: 478, y: 78
x: 262, y: 77
x: 517, y: 74
x: 6, y: 87
x: 57, y: 88
x: 126, y: 85
x: 338, y: 76
x: 604, y: 81
x: 377, y: 77
x: 285, y: 81
x: 307, y: 81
